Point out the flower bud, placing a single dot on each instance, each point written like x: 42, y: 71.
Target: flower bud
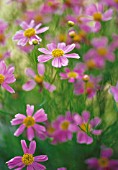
x: 86, y: 78
x: 71, y: 23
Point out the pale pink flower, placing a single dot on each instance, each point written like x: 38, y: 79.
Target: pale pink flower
x: 31, y: 123
x: 58, y: 53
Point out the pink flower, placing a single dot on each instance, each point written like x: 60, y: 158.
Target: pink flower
x: 114, y: 91
x: 95, y: 13
x: 104, y: 162
x: 60, y: 129
x: 76, y: 73
x: 30, y: 122
x: 4, y: 55
x: 61, y: 169
x: 85, y: 127
x: 3, y: 27
x: 111, y: 3
x: 101, y: 52
x: 28, y: 159
x: 29, y: 34
x: 37, y: 79
x: 58, y: 54
x: 6, y: 76
x: 90, y: 87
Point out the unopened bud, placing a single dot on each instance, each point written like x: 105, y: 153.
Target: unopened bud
x: 86, y: 78
x: 35, y: 42
x: 72, y: 34
x: 71, y: 23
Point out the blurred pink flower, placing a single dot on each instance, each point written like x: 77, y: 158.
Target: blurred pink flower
x: 31, y: 123
x: 96, y: 57
x: 28, y: 159
x: 29, y: 34
x: 6, y: 76
x: 3, y: 27
x: 37, y: 79
x: 89, y: 88
x: 76, y: 73
x: 61, y: 169
x: 114, y: 92
x: 104, y: 162
x: 111, y: 3
x: 4, y: 56
x: 94, y: 14
x: 58, y: 54
x: 85, y: 127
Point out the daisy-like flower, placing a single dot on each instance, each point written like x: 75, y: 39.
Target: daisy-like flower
x: 112, y: 3
x: 85, y: 127
x: 114, y: 91
x: 72, y: 76
x: 58, y: 54
x: 6, y: 76
x: 29, y: 33
x: 30, y: 122
x: 104, y: 162
x: 95, y: 13
x: 28, y: 160
x: 37, y: 79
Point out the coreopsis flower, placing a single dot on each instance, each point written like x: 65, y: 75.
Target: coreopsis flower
x: 114, y: 91
x: 84, y: 127
x: 29, y: 34
x: 111, y: 3
x: 60, y: 128
x: 28, y: 160
x: 58, y: 54
x: 104, y: 162
x: 96, y: 57
x: 37, y: 79
x: 30, y: 122
x: 89, y: 87
x: 6, y: 76
x: 61, y: 168
x: 73, y: 75
x: 95, y: 13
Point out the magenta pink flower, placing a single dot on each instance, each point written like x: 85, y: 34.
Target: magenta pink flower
x: 58, y: 54
x: 89, y: 88
x: 29, y: 33
x: 76, y: 73
x: 114, y: 92
x: 28, y: 159
x: 61, y: 169
x: 101, y: 52
x: 6, y: 76
x: 4, y: 56
x: 59, y: 130
x: 104, y: 162
x: 3, y: 27
x: 95, y: 13
x: 31, y: 123
x: 37, y: 79
x: 111, y: 3
x: 85, y: 127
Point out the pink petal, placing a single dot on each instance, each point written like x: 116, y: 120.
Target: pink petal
x: 30, y: 133
x: 29, y: 85
x: 24, y: 25
x: 30, y: 110
x: 30, y: 73
x: 85, y: 116
x: 32, y: 147
x: 42, y: 30
x: 45, y: 51
x: 39, y: 128
x: 44, y: 58
x: 49, y: 86
x: 108, y: 15
x: 38, y: 166
x: 20, y: 130
x: 61, y: 46
x: 40, y: 116
x: 69, y: 48
x: 24, y: 146
x: 8, y: 88
x: 41, y: 69
x: 73, y: 55
x: 41, y: 158
x: 51, y: 47
x: 56, y: 62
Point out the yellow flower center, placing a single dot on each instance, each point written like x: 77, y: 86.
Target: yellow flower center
x: 103, y: 162
x: 72, y: 74
x: 29, y: 121
x: 116, y: 1
x: 89, y: 85
x: 2, y: 37
x: 38, y: 18
x: 29, y: 32
x: 50, y: 130
x: 2, y: 78
x: 77, y: 38
x: 62, y: 38
x: 27, y: 159
x: 38, y: 79
x: 97, y: 16
x: 57, y: 53
x: 65, y: 124
x: 85, y: 127
x: 102, y: 51
x: 90, y: 64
